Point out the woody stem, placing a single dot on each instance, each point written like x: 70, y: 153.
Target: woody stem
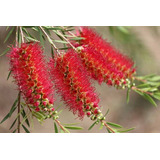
x: 58, y: 122
x: 108, y: 126
x: 135, y: 88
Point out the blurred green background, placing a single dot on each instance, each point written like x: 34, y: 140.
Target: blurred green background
x: 142, y: 44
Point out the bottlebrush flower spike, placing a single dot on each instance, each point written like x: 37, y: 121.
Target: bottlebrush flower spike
x: 110, y: 54
x: 99, y: 69
x: 72, y: 83
x: 30, y: 73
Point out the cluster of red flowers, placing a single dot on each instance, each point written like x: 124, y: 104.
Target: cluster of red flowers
x: 70, y: 72
x: 103, y: 61
x: 30, y: 72
x: 72, y: 83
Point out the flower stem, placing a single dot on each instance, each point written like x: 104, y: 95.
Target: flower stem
x: 58, y: 122
x: 22, y: 35
x: 108, y: 126
x: 135, y: 88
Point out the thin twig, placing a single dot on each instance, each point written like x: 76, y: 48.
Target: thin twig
x: 67, y: 40
x: 16, y: 43
x: 49, y: 39
x: 58, y: 122
x: 22, y: 35
x: 135, y: 88
x: 108, y: 126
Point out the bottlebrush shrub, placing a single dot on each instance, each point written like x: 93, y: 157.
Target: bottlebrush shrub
x: 103, y: 61
x: 69, y: 73
x: 29, y: 70
x: 72, y: 83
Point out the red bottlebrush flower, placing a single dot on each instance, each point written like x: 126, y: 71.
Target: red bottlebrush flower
x: 110, y: 54
x: 30, y: 73
x: 72, y: 83
x: 99, y: 69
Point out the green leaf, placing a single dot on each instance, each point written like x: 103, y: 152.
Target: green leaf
x: 59, y: 41
x: 14, y: 131
x: 144, y: 85
x: 23, y: 113
x: 27, y: 33
x: 126, y: 130
x: 70, y: 124
x: 55, y: 128
x: 154, y: 78
x: 101, y: 126
x: 7, y: 28
x: 156, y: 95
x: 13, y: 107
x: 41, y: 37
x: 52, y: 51
x: 13, y: 124
x: 53, y: 28
x: 26, y: 130
x: 73, y: 127
x: 4, y: 52
x: 150, y: 99
x: 106, y: 113
x: 123, y: 29
x: 66, y: 130
x: 32, y: 39
x: 5, y: 118
x: 40, y: 116
x: 8, y: 35
x: 35, y: 29
x: 127, y: 98
x: 64, y: 48
x: 92, y: 125
x: 114, y: 125
x: 10, y: 112
x: 147, y: 97
x: 108, y: 130
x: 61, y: 130
x: 9, y: 74
x: 77, y: 38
